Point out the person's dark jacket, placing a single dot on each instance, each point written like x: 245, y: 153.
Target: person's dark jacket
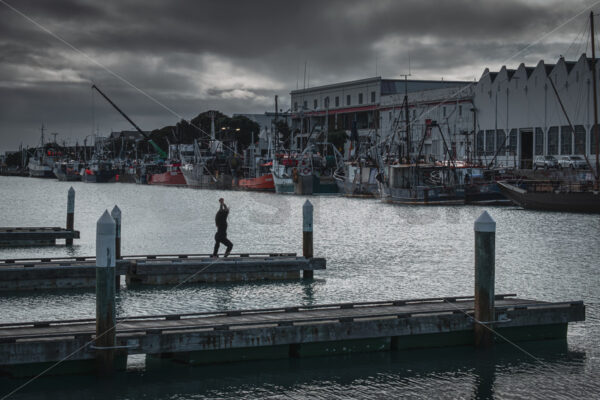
x: 221, y: 221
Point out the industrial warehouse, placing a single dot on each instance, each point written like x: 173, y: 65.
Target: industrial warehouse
x: 505, y: 119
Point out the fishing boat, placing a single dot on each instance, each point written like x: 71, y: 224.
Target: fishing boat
x: 41, y: 163
x: 98, y: 171
x: 67, y: 170
x: 358, y: 179
x: 263, y: 179
x: 168, y: 174
x: 481, y: 184
x: 282, y: 171
x: 314, y: 174
x: 210, y: 170
x: 553, y: 195
x: 423, y: 184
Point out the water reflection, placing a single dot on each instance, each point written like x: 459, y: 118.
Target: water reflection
x: 461, y: 372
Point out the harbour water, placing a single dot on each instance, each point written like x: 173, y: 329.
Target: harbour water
x: 374, y: 251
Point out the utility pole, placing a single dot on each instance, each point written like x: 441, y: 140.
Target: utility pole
x: 595, y: 97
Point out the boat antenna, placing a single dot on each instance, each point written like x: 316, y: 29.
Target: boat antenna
x: 595, y: 97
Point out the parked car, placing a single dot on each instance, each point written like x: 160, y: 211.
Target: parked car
x: 573, y: 162
x: 545, y: 162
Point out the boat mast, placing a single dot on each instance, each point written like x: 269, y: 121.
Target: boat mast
x: 406, y: 116
x: 595, y: 96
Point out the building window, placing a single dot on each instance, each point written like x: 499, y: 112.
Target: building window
x: 295, y: 106
x: 326, y: 102
x: 512, y: 142
x: 414, y: 114
x: 500, y: 141
x: 304, y: 105
x: 579, y: 139
x: 390, y: 115
x: 444, y: 111
x: 372, y: 97
x: 539, y: 141
x: 593, y: 138
x: 348, y: 100
x: 460, y: 111
x: 337, y: 101
x: 360, y: 98
x: 553, y: 140
x: 566, y: 146
x: 316, y: 103
x: 479, y: 143
x: 489, y: 142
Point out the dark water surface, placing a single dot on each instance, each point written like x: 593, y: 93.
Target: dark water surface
x: 374, y: 252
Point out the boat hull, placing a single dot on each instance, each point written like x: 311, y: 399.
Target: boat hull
x: 41, y: 173
x: 485, y: 194
x: 66, y: 176
x: 351, y: 189
x: 170, y: 178
x: 422, y: 195
x: 195, y: 176
x: 262, y: 183
x: 100, y: 177
x: 552, y: 200
x: 315, y: 185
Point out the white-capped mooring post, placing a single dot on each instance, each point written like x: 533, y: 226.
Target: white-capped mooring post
x: 116, y: 215
x: 70, y: 214
x: 105, y: 294
x: 485, y: 260
x: 307, y: 235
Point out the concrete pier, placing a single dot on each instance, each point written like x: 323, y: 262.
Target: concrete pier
x: 300, y: 331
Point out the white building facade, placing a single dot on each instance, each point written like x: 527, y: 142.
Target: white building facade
x: 519, y: 115
x: 376, y: 106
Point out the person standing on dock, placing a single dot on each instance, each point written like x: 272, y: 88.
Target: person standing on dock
x: 221, y: 235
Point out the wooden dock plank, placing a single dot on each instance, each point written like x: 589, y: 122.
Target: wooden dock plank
x: 403, y: 326
x: 73, y: 272
x: 259, y: 318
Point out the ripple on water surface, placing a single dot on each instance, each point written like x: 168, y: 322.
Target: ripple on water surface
x: 374, y: 251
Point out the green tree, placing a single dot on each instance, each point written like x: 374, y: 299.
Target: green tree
x: 337, y: 138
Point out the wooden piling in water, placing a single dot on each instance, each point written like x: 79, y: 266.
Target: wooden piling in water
x: 485, y: 254
x: 105, y: 294
x: 116, y: 215
x: 307, y: 236
x: 70, y: 214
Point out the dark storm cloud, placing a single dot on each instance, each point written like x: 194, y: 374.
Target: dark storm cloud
x: 236, y: 55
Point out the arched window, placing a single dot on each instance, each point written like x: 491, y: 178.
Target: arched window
x: 500, y: 141
x: 579, y: 139
x: 539, y: 141
x: 553, y: 140
x: 512, y: 142
x: 566, y: 140
x: 490, y: 142
x: 479, y: 143
x: 593, y: 139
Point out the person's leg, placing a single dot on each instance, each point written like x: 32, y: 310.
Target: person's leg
x: 229, y: 245
x: 216, y: 249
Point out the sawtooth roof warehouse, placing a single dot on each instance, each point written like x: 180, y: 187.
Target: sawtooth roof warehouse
x: 517, y: 113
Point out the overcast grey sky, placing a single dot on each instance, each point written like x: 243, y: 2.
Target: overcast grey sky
x: 234, y: 56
